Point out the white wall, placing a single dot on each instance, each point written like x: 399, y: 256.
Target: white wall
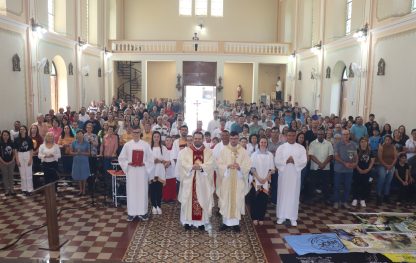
x: 305, y: 88
x: 393, y: 95
x: 13, y: 88
x: 92, y: 85
x: 335, y: 19
x: 244, y: 20
x: 392, y: 8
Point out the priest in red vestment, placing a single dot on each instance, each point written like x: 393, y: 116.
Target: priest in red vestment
x: 196, y: 184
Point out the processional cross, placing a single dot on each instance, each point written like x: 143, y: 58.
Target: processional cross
x: 197, y: 103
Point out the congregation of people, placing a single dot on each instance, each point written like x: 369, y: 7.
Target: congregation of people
x: 252, y: 154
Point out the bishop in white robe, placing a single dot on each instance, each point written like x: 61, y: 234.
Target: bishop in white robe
x: 137, y: 177
x: 196, y: 184
x: 290, y: 159
x: 234, y: 164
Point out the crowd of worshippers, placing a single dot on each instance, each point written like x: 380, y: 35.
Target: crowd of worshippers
x: 248, y: 153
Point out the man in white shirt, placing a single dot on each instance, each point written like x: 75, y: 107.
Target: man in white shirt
x: 215, y: 123
x: 160, y: 127
x: 321, y: 153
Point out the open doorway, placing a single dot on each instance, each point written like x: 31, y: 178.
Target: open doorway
x: 200, y: 104
x: 54, y: 87
x: 58, y: 84
x: 343, y: 99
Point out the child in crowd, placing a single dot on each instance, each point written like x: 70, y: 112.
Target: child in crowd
x: 402, y: 174
x: 374, y: 141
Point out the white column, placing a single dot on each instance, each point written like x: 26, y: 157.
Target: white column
x: 144, y: 81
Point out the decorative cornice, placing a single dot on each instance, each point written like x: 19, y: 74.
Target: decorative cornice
x: 19, y: 26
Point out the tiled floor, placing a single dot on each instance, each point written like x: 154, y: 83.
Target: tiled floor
x: 101, y: 233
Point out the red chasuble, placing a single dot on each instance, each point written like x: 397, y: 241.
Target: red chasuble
x: 198, y: 157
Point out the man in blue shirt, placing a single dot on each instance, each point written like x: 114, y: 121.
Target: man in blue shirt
x: 358, y: 130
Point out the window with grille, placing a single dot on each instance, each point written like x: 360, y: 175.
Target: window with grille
x: 217, y: 8
x: 348, y: 17
x: 84, y: 20
x: 185, y: 7
x: 201, y: 7
x: 51, y: 15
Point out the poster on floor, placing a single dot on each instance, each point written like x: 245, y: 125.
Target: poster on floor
x: 316, y: 243
x: 357, y: 239
x: 387, y: 221
x: 335, y: 258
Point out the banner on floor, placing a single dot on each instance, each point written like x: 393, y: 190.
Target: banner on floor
x: 335, y: 258
x: 316, y: 243
x: 409, y: 258
x: 357, y: 238
x: 387, y: 221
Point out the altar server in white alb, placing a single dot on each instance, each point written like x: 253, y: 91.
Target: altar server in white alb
x: 197, y: 186
x: 290, y: 159
x: 137, y: 176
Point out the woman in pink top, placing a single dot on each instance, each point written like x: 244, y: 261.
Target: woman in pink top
x: 109, y: 147
x: 56, y: 130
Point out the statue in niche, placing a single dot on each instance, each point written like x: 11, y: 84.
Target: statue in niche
x: 328, y: 73
x: 70, y: 69
x: 350, y: 72
x: 312, y: 76
x: 381, y: 71
x: 219, y: 87
x: 239, y: 92
x: 46, y: 69
x: 16, y: 62
x: 178, y: 82
x: 300, y: 75
x: 99, y: 72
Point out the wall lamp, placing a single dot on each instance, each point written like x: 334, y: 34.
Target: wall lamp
x: 200, y: 27
x: 361, y: 34
x: 39, y: 29
x: 82, y: 44
x: 293, y: 55
x: 107, y: 53
x: 316, y: 48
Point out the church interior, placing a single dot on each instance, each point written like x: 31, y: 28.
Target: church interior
x: 333, y: 57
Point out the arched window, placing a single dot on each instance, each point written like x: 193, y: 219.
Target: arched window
x: 348, y: 17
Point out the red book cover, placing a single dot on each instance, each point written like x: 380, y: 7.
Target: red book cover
x: 137, y: 158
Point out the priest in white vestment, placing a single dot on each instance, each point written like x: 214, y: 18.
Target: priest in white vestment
x: 234, y: 164
x: 196, y: 184
x: 225, y: 140
x: 290, y: 159
x: 137, y: 176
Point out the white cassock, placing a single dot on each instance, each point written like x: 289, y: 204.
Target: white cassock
x: 170, y: 171
x: 204, y: 187
x: 160, y: 169
x: 234, y: 183
x: 288, y: 189
x: 263, y: 162
x: 137, y: 178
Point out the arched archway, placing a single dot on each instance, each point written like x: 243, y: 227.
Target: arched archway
x: 337, y: 105
x: 59, y: 83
